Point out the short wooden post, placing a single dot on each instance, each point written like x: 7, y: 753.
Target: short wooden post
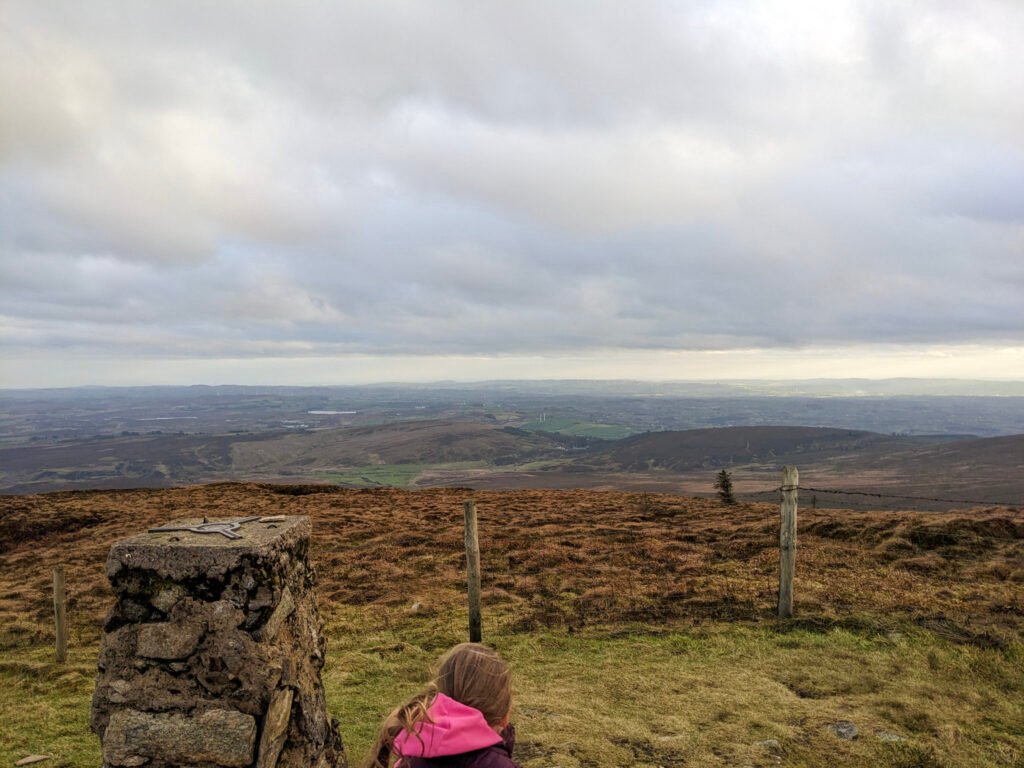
x: 473, y: 570
x: 60, y: 612
x: 787, y: 541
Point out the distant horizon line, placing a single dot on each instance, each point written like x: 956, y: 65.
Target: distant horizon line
x: 559, y: 380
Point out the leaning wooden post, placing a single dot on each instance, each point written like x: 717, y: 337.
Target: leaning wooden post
x: 473, y: 570
x: 787, y: 541
x: 60, y: 612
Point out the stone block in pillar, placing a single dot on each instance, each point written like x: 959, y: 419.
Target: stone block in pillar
x: 213, y: 650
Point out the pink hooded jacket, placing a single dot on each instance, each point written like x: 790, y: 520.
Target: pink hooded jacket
x: 457, y: 731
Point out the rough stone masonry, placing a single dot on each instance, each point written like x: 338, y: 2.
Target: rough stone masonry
x: 212, y: 653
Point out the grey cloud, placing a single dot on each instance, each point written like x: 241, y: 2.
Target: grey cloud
x: 492, y: 178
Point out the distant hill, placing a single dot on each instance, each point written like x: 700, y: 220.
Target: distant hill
x: 959, y: 456
x: 990, y: 468
x: 424, y: 442
x: 158, y: 460
x: 485, y: 454
x: 725, y: 446
x: 124, y: 461
x: 956, y: 467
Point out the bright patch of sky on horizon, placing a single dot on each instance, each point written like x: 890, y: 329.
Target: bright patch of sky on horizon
x: 314, y: 193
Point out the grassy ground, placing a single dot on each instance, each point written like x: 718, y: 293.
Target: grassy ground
x: 639, y: 626
x: 713, y: 695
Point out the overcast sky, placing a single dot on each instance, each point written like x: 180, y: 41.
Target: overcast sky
x: 314, y: 192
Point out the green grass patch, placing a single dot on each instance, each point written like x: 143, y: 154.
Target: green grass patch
x: 391, y: 475
x: 44, y: 706
x: 714, y: 694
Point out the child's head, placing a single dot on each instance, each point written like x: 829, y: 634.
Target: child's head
x: 469, y: 673
x: 478, y: 677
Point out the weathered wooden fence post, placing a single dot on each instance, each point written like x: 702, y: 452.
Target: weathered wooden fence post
x: 787, y: 541
x: 473, y: 570
x: 60, y: 612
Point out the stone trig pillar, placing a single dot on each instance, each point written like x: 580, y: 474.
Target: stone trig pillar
x: 212, y: 653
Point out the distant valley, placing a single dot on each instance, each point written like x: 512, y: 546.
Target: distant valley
x: 517, y: 438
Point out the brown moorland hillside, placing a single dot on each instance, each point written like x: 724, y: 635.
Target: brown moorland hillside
x: 723, y: 446
x: 435, y: 441
x: 556, y: 558
x: 986, y: 471
x: 162, y: 460
x: 438, y: 452
x: 641, y: 627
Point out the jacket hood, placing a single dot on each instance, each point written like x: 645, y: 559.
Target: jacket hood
x: 456, y: 728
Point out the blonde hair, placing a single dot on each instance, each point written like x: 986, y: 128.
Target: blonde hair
x: 471, y: 674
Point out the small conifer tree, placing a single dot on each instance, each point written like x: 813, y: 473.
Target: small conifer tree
x: 723, y: 484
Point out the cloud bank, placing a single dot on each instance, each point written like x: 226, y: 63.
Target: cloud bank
x: 250, y: 180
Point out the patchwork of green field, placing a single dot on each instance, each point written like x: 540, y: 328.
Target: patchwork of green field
x: 580, y: 428
x: 390, y: 475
